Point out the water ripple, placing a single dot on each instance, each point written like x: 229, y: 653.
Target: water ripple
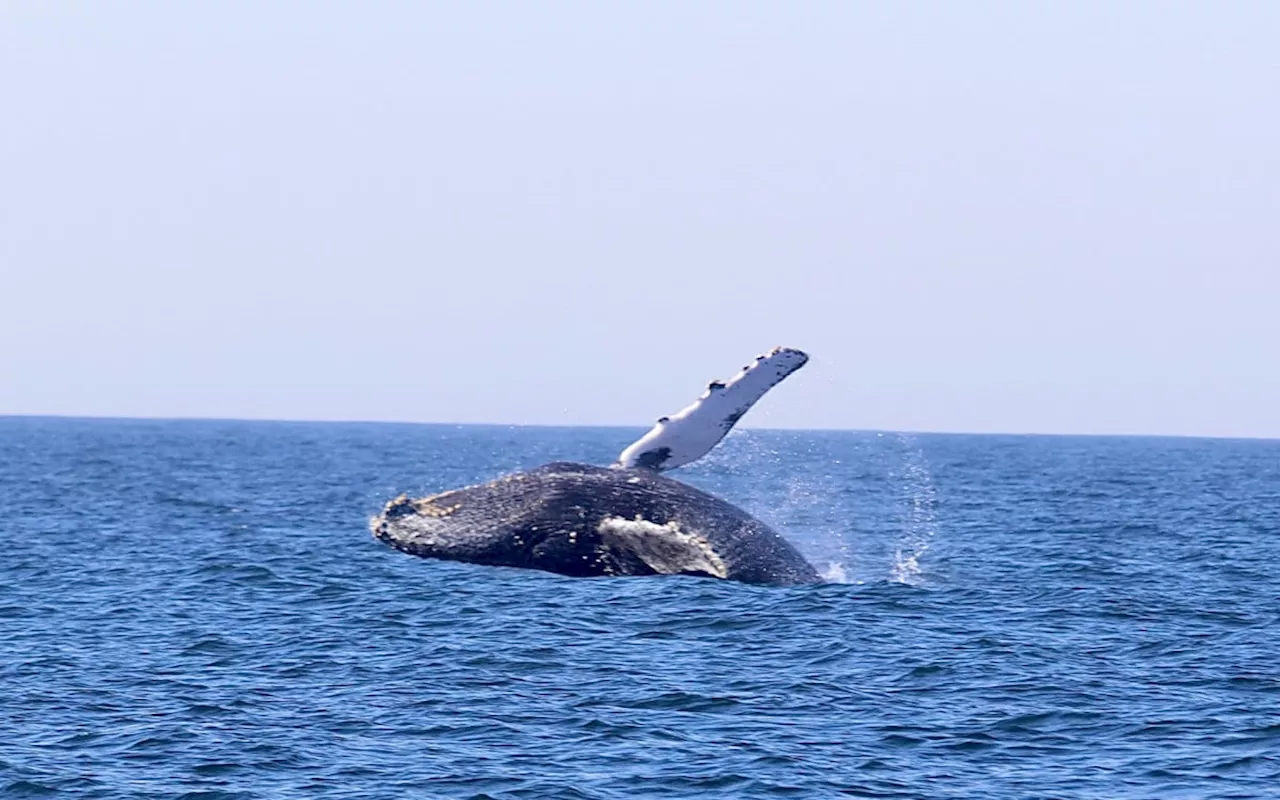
x: 196, y: 610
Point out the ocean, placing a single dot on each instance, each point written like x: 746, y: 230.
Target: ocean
x: 196, y: 609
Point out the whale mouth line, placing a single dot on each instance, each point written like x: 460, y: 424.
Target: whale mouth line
x: 666, y: 549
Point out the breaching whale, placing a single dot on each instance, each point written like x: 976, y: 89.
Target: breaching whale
x: 627, y: 519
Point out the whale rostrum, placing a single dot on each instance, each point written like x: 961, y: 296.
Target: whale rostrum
x: 584, y: 520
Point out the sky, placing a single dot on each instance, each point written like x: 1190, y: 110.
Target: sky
x: 975, y: 217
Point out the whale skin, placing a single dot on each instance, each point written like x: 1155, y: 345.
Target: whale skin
x: 584, y: 521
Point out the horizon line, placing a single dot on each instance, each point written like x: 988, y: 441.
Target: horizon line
x: 913, y: 432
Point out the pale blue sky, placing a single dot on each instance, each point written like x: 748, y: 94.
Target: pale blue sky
x: 976, y: 216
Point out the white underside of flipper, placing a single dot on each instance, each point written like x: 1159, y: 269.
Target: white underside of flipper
x: 689, y: 435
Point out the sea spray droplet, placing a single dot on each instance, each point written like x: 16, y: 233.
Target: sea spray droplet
x: 919, y: 515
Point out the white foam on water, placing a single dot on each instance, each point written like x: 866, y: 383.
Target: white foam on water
x: 834, y: 573
x: 919, y: 519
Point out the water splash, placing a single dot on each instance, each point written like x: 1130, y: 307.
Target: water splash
x: 835, y: 573
x: 798, y: 506
x: 893, y: 524
x: 825, y: 543
x: 919, y: 521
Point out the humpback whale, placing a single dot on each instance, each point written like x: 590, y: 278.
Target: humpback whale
x: 627, y: 519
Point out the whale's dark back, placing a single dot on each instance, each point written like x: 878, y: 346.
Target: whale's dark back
x: 583, y: 520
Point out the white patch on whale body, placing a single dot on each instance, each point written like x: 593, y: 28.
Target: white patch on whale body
x: 665, y: 548
x: 688, y: 435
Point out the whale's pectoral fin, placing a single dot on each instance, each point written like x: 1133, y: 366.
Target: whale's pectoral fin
x: 689, y: 435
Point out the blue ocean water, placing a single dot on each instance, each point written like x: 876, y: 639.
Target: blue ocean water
x: 197, y: 610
